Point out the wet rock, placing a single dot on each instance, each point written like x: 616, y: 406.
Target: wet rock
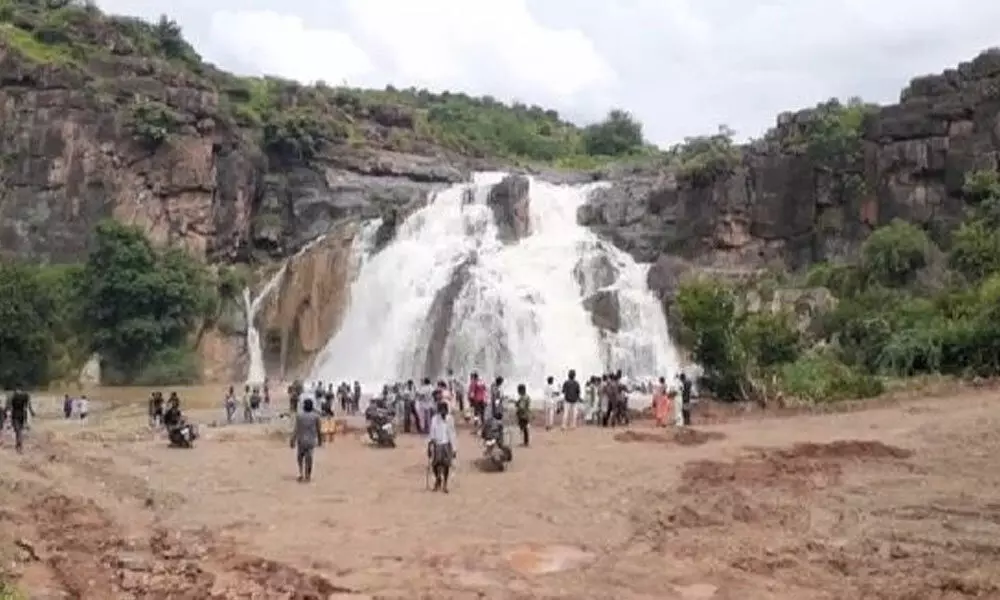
x: 309, y: 303
x: 439, y: 321
x: 510, y: 202
x: 665, y: 276
x: 593, y: 272
x: 605, y: 310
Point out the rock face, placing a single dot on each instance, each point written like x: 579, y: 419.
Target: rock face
x: 787, y: 208
x: 442, y: 311
x: 297, y: 320
x: 510, y: 203
x: 605, y: 310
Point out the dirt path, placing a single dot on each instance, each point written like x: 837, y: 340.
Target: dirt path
x: 892, y: 503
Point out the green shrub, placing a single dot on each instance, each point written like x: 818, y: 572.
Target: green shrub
x: 153, y: 122
x: 168, y: 366
x: 820, y: 377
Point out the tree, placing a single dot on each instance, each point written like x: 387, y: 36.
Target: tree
x: 619, y: 133
x: 26, y: 309
x: 138, y: 301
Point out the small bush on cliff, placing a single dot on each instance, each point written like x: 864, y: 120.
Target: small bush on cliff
x: 153, y: 122
x: 704, y: 159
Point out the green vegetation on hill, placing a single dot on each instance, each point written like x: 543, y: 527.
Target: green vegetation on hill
x: 138, y: 307
x: 291, y: 121
x: 905, y: 307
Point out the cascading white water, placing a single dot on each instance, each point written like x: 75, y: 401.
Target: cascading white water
x: 256, y: 372
x: 520, y: 314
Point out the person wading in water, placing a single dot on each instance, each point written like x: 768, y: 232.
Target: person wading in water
x: 442, y: 446
x: 306, y: 437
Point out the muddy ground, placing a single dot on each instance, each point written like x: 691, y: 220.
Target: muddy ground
x: 892, y: 503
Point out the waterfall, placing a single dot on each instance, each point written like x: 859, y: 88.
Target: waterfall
x: 447, y: 293
x: 256, y: 372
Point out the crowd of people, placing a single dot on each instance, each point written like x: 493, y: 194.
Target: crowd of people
x: 424, y: 408
x: 429, y: 409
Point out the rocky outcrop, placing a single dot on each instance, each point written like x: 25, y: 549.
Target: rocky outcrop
x: 297, y: 320
x: 803, y: 304
x: 604, y: 307
x: 789, y: 208
x: 439, y: 322
x: 510, y: 202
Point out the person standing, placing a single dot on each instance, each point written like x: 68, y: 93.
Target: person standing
x: 571, y: 398
x: 477, y: 398
x: 551, y: 401
x: 229, y: 402
x: 685, y: 399
x: 68, y: 407
x: 82, y: 407
x: 661, y: 403
x: 442, y: 446
x: 455, y: 386
x: 19, y: 407
x: 306, y: 437
x: 158, y: 408
x: 522, y: 409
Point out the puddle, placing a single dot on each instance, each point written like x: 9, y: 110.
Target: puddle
x: 539, y: 560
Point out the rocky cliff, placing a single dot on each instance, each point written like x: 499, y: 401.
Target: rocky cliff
x: 783, y: 204
x: 104, y: 116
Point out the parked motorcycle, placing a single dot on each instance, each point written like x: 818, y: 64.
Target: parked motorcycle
x: 183, y: 436
x: 497, y: 448
x: 381, y: 426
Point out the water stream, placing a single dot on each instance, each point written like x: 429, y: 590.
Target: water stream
x: 516, y: 310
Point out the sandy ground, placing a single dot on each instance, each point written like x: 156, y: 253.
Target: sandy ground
x: 896, y: 502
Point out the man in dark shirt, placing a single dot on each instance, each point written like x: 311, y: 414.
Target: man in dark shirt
x: 685, y: 399
x: 307, y: 435
x: 571, y: 397
x: 19, y: 407
x: 173, y: 417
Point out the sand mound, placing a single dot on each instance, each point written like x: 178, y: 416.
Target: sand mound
x: 682, y: 437
x: 807, y: 465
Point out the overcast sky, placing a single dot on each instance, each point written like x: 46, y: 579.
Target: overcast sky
x: 681, y: 66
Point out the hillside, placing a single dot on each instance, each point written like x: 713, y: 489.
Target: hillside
x: 104, y: 116
x: 137, y: 114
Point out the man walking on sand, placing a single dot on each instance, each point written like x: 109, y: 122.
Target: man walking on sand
x: 306, y: 437
x: 19, y: 407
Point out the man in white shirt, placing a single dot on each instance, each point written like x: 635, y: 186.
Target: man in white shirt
x: 442, y: 446
x: 551, y: 402
x: 82, y: 407
x: 425, y: 405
